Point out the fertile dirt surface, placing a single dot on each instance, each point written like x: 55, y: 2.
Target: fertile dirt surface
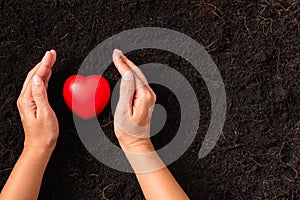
x: 255, y: 45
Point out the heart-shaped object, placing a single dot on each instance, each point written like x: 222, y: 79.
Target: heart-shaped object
x: 86, y: 96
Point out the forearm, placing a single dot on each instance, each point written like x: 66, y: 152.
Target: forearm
x: 157, y: 184
x: 132, y: 124
x: 160, y: 184
x: 25, y: 180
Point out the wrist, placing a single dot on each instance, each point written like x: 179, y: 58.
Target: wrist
x: 43, y: 146
x: 38, y: 150
x: 144, y: 159
x: 141, y: 146
x: 37, y: 155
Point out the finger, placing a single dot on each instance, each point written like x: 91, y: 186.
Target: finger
x: 54, y: 55
x: 39, y: 94
x: 28, y: 77
x: 53, y: 52
x: 127, y: 88
x: 124, y: 68
x: 123, y: 64
x: 141, y: 78
x: 136, y: 70
x: 142, y: 105
x: 124, y: 108
x: 46, y: 65
x: 119, y: 62
x: 48, y: 78
x: 123, y: 119
x: 43, y: 70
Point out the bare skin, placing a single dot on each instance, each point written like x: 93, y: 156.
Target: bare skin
x: 41, y: 133
x: 158, y: 184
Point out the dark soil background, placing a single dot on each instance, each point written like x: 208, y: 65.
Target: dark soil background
x: 255, y: 45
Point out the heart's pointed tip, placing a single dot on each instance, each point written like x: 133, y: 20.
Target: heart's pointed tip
x: 84, y: 116
x: 87, y: 118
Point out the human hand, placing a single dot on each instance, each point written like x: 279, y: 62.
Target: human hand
x: 132, y: 128
x: 135, y: 107
x: 39, y: 120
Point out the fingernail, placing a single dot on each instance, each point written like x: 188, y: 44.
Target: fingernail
x: 116, y: 54
x: 37, y: 80
x: 52, y: 51
x: 127, y: 76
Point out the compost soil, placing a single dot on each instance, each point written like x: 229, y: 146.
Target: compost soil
x: 255, y: 45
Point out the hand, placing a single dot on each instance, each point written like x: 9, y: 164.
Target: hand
x: 132, y: 128
x: 39, y: 120
x: 134, y: 109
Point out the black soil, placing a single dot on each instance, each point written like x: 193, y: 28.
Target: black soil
x: 255, y: 45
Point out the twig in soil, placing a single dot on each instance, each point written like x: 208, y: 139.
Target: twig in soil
x: 95, y: 175
x: 246, y: 25
x: 297, y: 128
x: 267, y: 21
x: 259, y: 164
x: 103, y: 192
x: 289, y: 180
x: 64, y: 36
x: 293, y: 168
x: 215, y: 10
x: 75, y: 19
x: 54, y: 28
x: 207, y: 47
x: 232, y: 147
x: 104, y: 125
x: 253, y: 57
x: 278, y: 155
x: 4, y: 170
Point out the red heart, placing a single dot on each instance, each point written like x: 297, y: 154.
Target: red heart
x: 86, y: 96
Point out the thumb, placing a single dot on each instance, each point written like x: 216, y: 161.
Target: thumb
x: 39, y: 92
x: 127, y: 89
x: 124, y: 109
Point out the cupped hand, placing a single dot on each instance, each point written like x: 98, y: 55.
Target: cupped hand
x: 135, y: 106
x: 39, y: 120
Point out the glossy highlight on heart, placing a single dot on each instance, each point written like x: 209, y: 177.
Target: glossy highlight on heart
x: 86, y: 96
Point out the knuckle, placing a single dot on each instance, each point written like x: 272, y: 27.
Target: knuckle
x: 24, y: 102
x: 148, y: 95
x: 47, y: 123
x: 43, y: 77
x: 23, y: 120
x: 47, y: 114
x: 19, y: 103
x: 143, y: 93
x: 39, y: 93
x: 46, y: 63
x: 154, y: 97
x: 128, y: 91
